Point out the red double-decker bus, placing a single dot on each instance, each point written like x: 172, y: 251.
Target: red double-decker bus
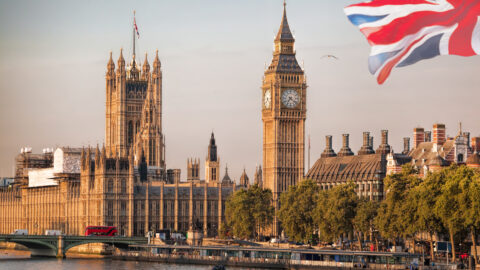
x: 101, y: 231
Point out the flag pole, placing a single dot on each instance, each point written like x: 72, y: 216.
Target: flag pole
x: 133, y: 31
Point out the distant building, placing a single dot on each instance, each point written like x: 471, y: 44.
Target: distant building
x: 244, y: 180
x: 367, y: 169
x: 441, y: 151
x: 257, y: 179
x: 126, y: 182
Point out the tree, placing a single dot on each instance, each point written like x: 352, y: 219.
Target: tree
x: 425, y: 196
x: 263, y: 209
x: 364, y: 218
x: 470, y: 204
x: 296, y: 210
x: 238, y: 214
x: 395, y: 215
x: 248, y: 212
x: 449, y: 203
x: 335, y: 211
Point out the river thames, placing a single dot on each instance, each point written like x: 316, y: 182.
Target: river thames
x: 12, y: 260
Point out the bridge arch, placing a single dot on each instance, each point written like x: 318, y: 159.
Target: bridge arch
x: 37, y: 247
x: 72, y: 244
x: 57, y: 246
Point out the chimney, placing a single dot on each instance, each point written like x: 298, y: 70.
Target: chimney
x: 418, y: 136
x: 371, y: 142
x: 439, y: 136
x: 428, y: 136
x: 328, y: 152
x: 366, y: 148
x: 466, y: 135
x: 384, y: 148
x: 406, y: 145
x: 345, y: 151
x: 476, y: 144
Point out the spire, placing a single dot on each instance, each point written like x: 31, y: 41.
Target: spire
x: 110, y: 65
x: 146, y: 66
x: 156, y: 63
x: 284, y: 33
x: 121, y: 60
x: 244, y: 181
x: 212, y: 149
x: 226, y: 179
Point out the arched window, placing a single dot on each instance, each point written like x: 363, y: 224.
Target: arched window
x: 130, y: 132
x: 110, y: 185
x: 124, y: 186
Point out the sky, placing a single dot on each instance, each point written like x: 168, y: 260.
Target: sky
x: 213, y: 53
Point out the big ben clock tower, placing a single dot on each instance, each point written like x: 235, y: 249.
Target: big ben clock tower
x: 284, y: 93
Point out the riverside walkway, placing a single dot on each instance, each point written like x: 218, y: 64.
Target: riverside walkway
x: 272, y: 258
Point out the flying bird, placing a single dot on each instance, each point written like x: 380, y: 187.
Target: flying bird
x: 329, y: 56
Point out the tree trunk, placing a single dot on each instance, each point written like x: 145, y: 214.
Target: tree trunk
x: 359, y: 240
x: 453, y: 245
x: 474, y: 242
x: 432, y: 253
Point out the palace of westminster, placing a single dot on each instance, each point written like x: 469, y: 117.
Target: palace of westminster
x: 126, y: 183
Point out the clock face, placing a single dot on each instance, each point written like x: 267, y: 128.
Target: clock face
x: 290, y: 98
x: 267, y: 99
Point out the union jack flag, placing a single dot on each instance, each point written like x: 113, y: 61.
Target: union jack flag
x: 135, y: 26
x: 403, y: 32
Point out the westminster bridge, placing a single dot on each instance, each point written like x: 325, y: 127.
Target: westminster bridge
x: 57, y: 246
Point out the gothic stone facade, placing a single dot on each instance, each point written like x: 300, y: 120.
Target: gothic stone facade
x: 284, y: 93
x: 111, y: 191
x: 124, y: 184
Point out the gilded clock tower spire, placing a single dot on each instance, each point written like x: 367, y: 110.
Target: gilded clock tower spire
x: 283, y: 115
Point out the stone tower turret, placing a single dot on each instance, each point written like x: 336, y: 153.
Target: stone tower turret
x: 212, y: 162
x: 193, y: 169
x: 284, y: 107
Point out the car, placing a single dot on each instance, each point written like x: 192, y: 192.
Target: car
x: 274, y: 240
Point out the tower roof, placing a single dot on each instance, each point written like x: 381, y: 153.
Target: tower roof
x: 244, y: 181
x: 121, y: 60
x: 244, y: 176
x: 146, y: 65
x: 212, y: 149
x: 110, y: 65
x: 284, y: 60
x: 156, y: 62
x: 284, y: 33
x: 226, y: 178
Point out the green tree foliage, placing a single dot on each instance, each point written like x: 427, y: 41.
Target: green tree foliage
x: 296, y: 210
x: 396, y: 213
x: 263, y: 209
x: 365, y: 215
x: 248, y: 211
x: 471, y: 209
x: 336, y: 211
x: 448, y: 206
x: 425, y: 196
